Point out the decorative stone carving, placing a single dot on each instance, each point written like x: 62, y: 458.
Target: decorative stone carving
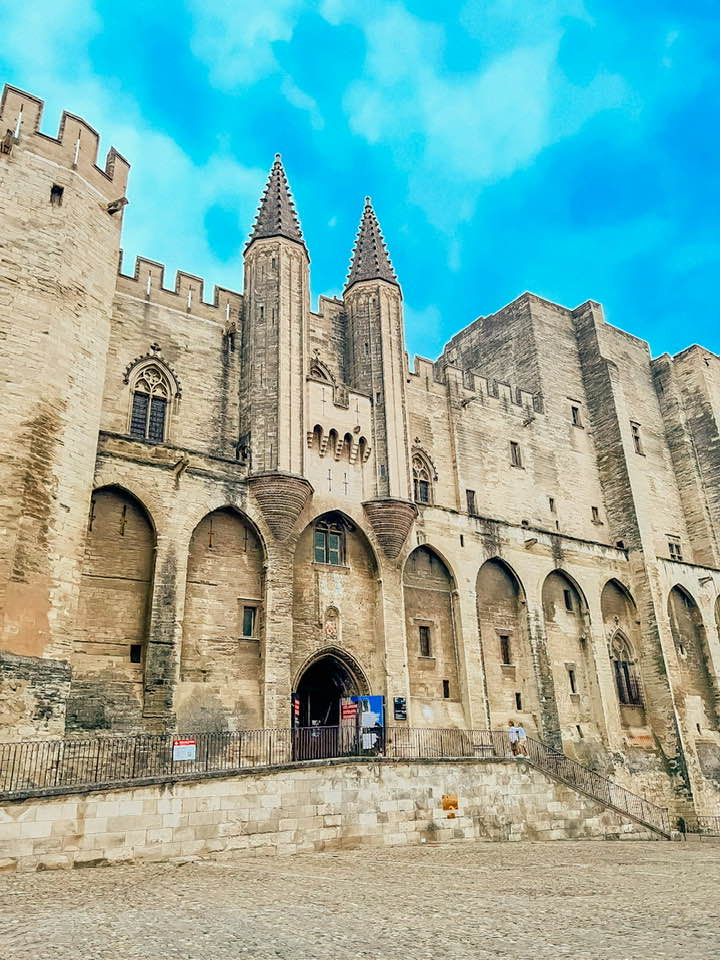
x: 391, y: 521
x: 281, y: 498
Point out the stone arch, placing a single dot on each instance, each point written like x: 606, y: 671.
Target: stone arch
x: 696, y: 676
x: 335, y: 568
x: 113, y: 613
x: 572, y: 663
x: 431, y: 632
x: 511, y: 684
x: 358, y: 676
x: 622, y: 631
x: 223, y: 625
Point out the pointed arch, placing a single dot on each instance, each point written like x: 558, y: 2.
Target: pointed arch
x: 154, y: 390
x: 319, y: 370
x: 424, y: 476
x: 113, y: 613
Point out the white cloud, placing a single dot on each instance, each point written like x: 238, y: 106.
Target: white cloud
x: 236, y: 38
x: 455, y: 133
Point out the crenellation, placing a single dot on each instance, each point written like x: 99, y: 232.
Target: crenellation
x: 75, y: 147
x: 147, y: 282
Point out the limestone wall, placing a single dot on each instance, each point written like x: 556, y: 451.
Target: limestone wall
x: 323, y: 806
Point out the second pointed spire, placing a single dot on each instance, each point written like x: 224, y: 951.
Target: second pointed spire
x: 370, y: 259
x: 276, y: 216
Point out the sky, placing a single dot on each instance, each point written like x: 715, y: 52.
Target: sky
x: 566, y: 147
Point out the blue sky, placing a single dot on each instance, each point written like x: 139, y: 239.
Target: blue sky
x: 568, y: 147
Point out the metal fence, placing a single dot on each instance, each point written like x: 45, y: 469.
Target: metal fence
x: 35, y: 766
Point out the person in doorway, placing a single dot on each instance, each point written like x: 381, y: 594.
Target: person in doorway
x: 513, y: 737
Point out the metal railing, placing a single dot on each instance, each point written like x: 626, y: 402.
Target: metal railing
x: 32, y: 767
x: 598, y: 787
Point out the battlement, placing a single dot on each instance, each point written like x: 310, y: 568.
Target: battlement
x: 147, y: 282
x: 471, y: 387
x: 75, y: 147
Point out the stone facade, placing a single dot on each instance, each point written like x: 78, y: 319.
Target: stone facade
x: 206, y: 504
x: 333, y: 805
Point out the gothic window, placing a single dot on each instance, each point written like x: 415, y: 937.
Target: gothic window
x: 626, y: 678
x: 422, y: 480
x: 329, y: 543
x: 150, y: 398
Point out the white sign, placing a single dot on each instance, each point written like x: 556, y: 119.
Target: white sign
x: 184, y: 750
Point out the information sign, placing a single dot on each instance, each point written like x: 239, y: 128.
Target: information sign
x: 184, y: 750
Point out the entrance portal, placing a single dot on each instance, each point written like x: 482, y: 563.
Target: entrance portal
x: 320, y: 689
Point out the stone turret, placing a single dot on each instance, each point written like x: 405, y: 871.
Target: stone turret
x: 377, y: 367
x: 59, y: 247
x: 277, y: 307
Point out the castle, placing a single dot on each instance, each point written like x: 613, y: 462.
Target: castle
x: 216, y: 514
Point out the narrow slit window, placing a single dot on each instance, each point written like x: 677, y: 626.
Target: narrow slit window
x: 515, y: 454
x: 518, y: 700
x: 446, y: 689
x: 425, y: 641
x: 572, y: 680
x: 471, y: 508
x: 56, y: 195
x: 568, y: 600
x: 595, y: 514
x: 135, y: 653
x: 551, y: 502
x: 637, y: 439
x: 505, y: 650
x: 576, y: 418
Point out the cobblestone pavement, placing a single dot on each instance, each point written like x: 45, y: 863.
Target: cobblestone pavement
x: 585, y: 901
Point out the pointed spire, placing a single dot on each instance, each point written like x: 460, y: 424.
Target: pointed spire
x: 276, y: 216
x: 370, y: 259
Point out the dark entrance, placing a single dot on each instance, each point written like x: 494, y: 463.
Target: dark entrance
x: 318, y: 730
x: 320, y: 689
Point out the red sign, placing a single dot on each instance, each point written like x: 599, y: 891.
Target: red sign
x: 348, y: 711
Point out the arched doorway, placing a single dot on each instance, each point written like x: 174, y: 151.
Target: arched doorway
x: 320, y: 688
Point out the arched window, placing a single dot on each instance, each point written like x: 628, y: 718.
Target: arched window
x: 422, y: 480
x: 626, y: 678
x: 329, y: 543
x: 150, y: 399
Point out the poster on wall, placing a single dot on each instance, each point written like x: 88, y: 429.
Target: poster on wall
x: 372, y: 720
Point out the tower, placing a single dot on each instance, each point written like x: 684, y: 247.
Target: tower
x: 276, y: 311
x: 59, y: 248
x: 376, y: 364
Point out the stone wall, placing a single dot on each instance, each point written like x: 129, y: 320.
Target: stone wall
x: 328, y: 805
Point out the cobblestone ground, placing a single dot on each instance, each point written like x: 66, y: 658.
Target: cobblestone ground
x: 586, y: 901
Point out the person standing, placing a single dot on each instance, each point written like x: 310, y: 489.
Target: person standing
x: 513, y: 737
x: 521, y: 743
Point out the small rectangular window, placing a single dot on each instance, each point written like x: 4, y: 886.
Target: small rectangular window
x: 515, y: 454
x: 518, y: 700
x: 446, y: 689
x: 505, y: 651
x: 470, y: 496
x: 551, y: 501
x: 249, y: 621
x: 425, y: 641
x: 675, y: 549
x: 579, y: 731
x: 573, y: 680
x: 568, y: 599
x: 56, y: 195
x: 576, y: 419
x: 135, y: 653
x: 636, y: 438
x: 595, y: 515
